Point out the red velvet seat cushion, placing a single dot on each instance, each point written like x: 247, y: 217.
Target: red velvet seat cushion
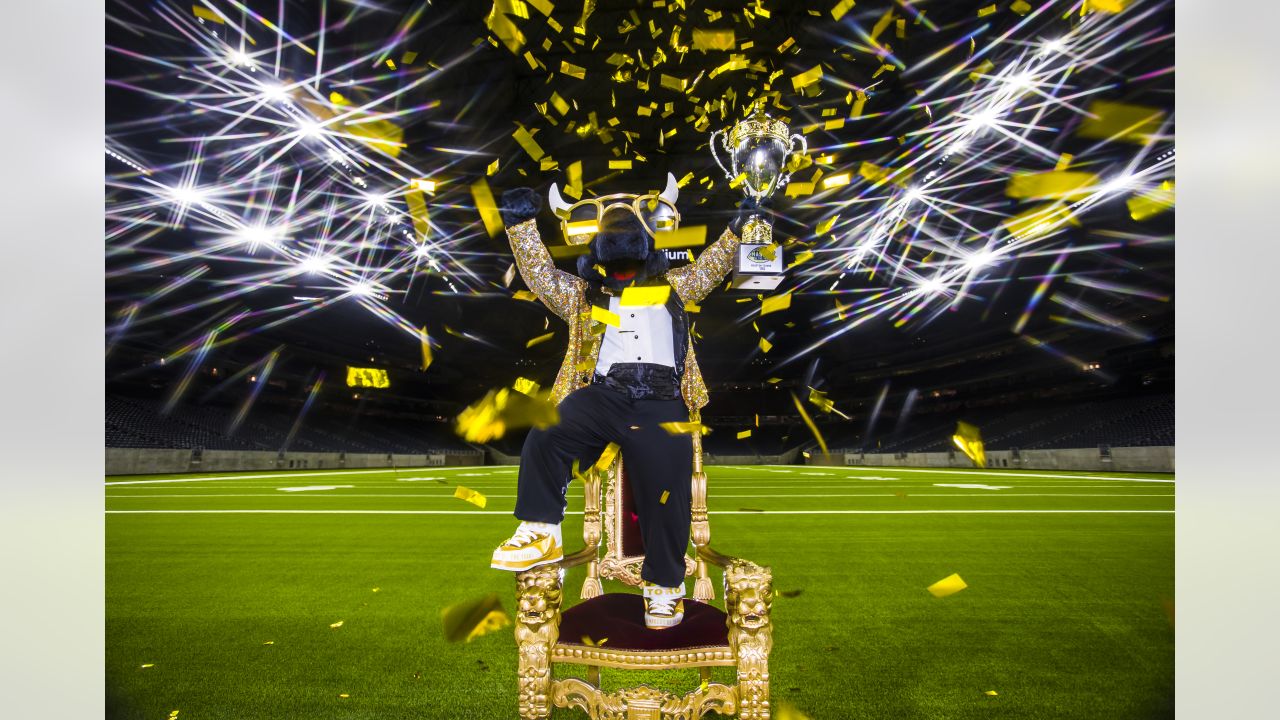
x: 620, y: 618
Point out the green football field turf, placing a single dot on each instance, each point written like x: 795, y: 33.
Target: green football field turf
x: 218, y: 613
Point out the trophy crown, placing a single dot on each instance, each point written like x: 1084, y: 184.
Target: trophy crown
x: 759, y: 124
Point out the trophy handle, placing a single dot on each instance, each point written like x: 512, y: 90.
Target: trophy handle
x: 727, y: 175
x: 804, y: 150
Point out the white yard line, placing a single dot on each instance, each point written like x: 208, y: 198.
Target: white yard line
x: 712, y: 512
x: 335, y: 471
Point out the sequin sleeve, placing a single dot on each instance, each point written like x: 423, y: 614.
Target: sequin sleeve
x: 696, y: 280
x: 557, y: 289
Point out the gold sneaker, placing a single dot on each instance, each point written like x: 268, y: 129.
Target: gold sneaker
x: 533, y: 544
x: 663, y: 607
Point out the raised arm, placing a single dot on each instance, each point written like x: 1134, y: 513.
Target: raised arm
x: 557, y: 289
x: 696, y: 280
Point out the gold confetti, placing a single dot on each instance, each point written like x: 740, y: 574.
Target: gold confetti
x: 408, y: 57
x: 539, y: 339
x: 744, y: 434
x: 665, y: 494
x: 147, y: 665
x: 825, y: 225
x: 426, y: 347
x: 335, y: 626
x: 981, y: 70
x: 949, y: 585
x: 813, y: 428
x: 765, y: 346
x: 619, y: 164
x: 835, y: 181
x: 841, y: 8
x: 985, y: 11
x: 654, y: 295
x: 1152, y: 202
x: 503, y: 27
x: 691, y: 308
x: 684, y: 428
x: 1039, y: 220
x: 1055, y: 185
x: 1019, y: 7
x: 469, y: 620
x: 969, y: 440
x: 713, y: 39
x: 526, y: 295
x: 472, y: 496
x: 606, y: 457
x: 1064, y: 161
x: 774, y: 303
x: 572, y: 70
x: 205, y: 13
x: 990, y: 692
x: 802, y: 256
x: 1106, y: 6
x: 695, y: 236
x: 344, y: 695
x: 522, y: 385
x: 1106, y: 120
x: 500, y: 410
x: 586, y: 640
x: 486, y: 206
x: 525, y: 139
x: 599, y: 314
x: 807, y: 78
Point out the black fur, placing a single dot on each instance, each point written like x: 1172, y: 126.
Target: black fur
x: 519, y: 205
x: 622, y: 243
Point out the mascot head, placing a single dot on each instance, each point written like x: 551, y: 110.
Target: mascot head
x: 620, y: 229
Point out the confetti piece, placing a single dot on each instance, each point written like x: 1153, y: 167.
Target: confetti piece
x: 981, y: 70
x: 1106, y: 120
x: 743, y: 435
x: 813, y: 428
x: 665, y: 494
x: 606, y: 457
x: 1110, y: 7
x: 949, y: 585
x: 968, y: 438
x: 337, y: 625
x: 985, y: 11
x: 774, y: 303
x: 1064, y: 161
x: 802, y: 256
x: 526, y: 295
x: 990, y: 692
x: 469, y: 620
x: 269, y: 642
x: 426, y: 348
x: 713, y: 39
x: 472, y: 496
x: 765, y: 346
x: 486, y: 206
x: 1152, y: 202
x: 652, y: 295
x: 684, y: 428
x: 841, y: 8
x: 1055, y: 185
x: 522, y: 385
x: 344, y: 695
x: 147, y: 665
x: 586, y: 640
x: 835, y: 181
x: 526, y: 141
x: 1039, y: 220
x: 825, y: 225
x: 408, y: 57
x: 1020, y: 8
x: 619, y: 164
x: 599, y: 314
x: 695, y: 236
x: 504, y: 409
x: 539, y: 339
x: 807, y: 78
x: 503, y: 27
x: 205, y: 13
x: 572, y: 70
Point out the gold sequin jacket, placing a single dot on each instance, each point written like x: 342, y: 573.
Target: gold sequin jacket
x: 566, y: 295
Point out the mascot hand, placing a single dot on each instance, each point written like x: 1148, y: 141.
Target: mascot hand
x: 519, y: 205
x: 748, y: 207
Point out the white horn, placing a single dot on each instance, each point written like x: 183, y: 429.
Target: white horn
x: 558, y: 205
x: 672, y: 190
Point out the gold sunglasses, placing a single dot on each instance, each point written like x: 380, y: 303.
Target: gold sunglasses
x: 583, y: 219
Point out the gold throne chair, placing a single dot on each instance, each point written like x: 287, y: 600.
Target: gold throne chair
x: 549, y: 635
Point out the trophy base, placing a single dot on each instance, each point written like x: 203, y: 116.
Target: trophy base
x: 744, y: 281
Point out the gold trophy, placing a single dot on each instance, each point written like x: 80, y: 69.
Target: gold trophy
x: 759, y: 149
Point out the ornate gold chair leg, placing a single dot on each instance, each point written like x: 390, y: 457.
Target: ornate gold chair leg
x: 748, y: 599
x: 591, y: 586
x: 702, y: 588
x: 538, y: 594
